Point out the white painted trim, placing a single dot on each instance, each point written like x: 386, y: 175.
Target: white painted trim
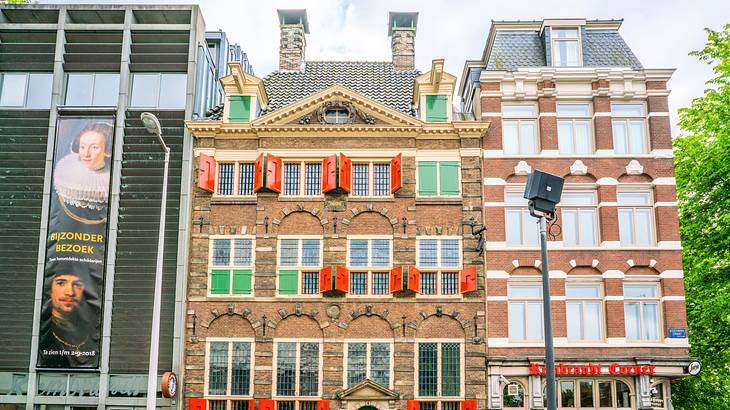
x: 601, y: 114
x: 607, y: 181
x: 658, y: 114
x: 673, y: 245
x: 614, y: 297
x: 497, y: 299
x: 605, y: 246
x: 494, y: 181
x: 547, y: 114
x: 672, y: 274
x: 672, y: 298
x: 496, y: 274
x: 664, y: 181
x: 609, y: 342
x: 612, y: 274
x: 660, y: 203
x: 493, y: 204
x: 491, y: 114
x: 470, y: 152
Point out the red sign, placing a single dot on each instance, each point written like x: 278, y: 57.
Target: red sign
x: 591, y: 369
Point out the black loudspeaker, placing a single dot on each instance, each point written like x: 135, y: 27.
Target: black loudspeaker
x: 544, y: 190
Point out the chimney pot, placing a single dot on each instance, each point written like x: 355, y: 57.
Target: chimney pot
x: 294, y: 26
x: 402, y: 32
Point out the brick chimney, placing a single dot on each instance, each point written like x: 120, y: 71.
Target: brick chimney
x: 402, y: 32
x: 294, y: 25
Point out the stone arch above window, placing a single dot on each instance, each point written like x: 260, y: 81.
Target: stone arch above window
x: 369, y: 327
x: 296, y: 327
x: 369, y: 223
x: 230, y: 326
x: 299, y: 223
x: 440, y: 327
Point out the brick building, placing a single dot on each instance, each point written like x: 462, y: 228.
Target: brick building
x: 570, y: 98
x: 332, y: 258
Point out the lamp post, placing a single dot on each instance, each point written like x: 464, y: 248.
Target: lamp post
x: 152, y: 125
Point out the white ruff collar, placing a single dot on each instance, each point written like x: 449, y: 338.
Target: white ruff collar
x: 80, y: 186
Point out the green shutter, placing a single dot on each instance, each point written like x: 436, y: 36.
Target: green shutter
x: 240, y: 109
x: 288, y: 282
x: 220, y: 282
x: 427, y: 178
x: 242, y: 282
x: 449, y: 177
x: 436, y: 108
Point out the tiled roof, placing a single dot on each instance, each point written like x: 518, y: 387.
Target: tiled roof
x: 215, y: 113
x: 513, y: 49
x: 378, y: 81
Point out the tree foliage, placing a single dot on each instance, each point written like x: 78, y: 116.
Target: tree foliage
x: 702, y: 156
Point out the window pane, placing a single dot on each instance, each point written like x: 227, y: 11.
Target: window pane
x: 627, y: 110
x: 583, y: 137
x: 358, y: 283
x: 13, y: 92
x: 620, y: 137
x: 517, y: 321
x: 574, y: 110
x: 527, y: 110
x: 582, y: 291
x: 245, y: 183
x: 242, y: 252
x: 525, y: 291
x: 79, y: 89
x: 39, y: 90
x: 567, y: 394
x: 291, y: 179
x: 575, y: 321
x: 587, y: 221
x: 586, y: 393
x: 564, y: 32
x: 578, y: 198
x: 570, y: 227
x: 380, y: 252
x: 356, y: 358
x: 106, y: 89
x: 288, y: 252
x: 604, y: 394
x: 528, y: 137
x: 380, y: 363
x: 221, y: 252
x: 427, y: 256
x: 633, y: 198
x: 310, y: 252
x: 360, y: 179
x: 428, y: 283
x: 638, y: 137
x: 381, y: 179
x: 225, y: 179
x: 565, y: 137
x: 381, y: 283
x: 313, y: 183
x: 651, y: 321
x: 145, y: 89
x: 640, y: 291
x: 530, y: 232
x: 172, y: 90
x: 450, y: 252
x: 623, y: 397
x: 241, y: 369
x: 510, y: 135
x: 309, y: 369
x: 450, y: 369
x: 358, y: 252
x: 513, y: 227
x: 427, y: 369
x: 592, y: 321
x: 534, y: 321
x: 280, y: 405
x: 566, y: 53
x: 310, y: 283
x: 631, y: 317
x: 218, y: 368
x: 449, y: 283
x: 286, y: 356
x: 643, y: 226
x: 626, y: 226
x: 515, y: 198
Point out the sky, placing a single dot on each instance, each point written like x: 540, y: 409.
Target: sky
x: 660, y: 32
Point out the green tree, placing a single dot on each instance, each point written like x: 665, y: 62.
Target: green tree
x: 702, y: 156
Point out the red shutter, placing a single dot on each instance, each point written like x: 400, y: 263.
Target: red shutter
x: 197, y: 404
x: 414, y: 279
x: 469, y: 279
x: 469, y: 405
x: 396, y: 279
x: 329, y: 173
x: 345, y: 173
x: 267, y: 405
x: 251, y: 405
x: 325, y: 279
x: 325, y: 405
x: 341, y: 274
x: 273, y: 173
x: 206, y: 176
x: 396, y: 181
x: 258, y: 173
x: 412, y: 405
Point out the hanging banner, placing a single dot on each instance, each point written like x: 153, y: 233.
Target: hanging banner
x: 70, y: 328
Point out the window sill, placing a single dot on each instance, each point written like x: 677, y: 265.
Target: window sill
x: 439, y: 200
x: 229, y: 200
x: 371, y: 198
x: 318, y: 198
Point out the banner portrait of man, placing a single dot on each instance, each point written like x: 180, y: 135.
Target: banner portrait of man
x: 70, y: 325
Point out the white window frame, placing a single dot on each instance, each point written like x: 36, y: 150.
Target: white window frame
x: 519, y: 119
x: 297, y: 387
x: 577, y: 40
x: 525, y: 301
x: 302, y: 178
x: 596, y: 397
x: 346, y: 344
x: 583, y: 301
x: 159, y: 89
x: 438, y: 397
x: 231, y: 266
x: 229, y: 340
x: 627, y: 119
x: 525, y: 395
x: 236, y: 179
x: 633, y: 208
x: 27, y: 76
x: 439, y: 268
x: 642, y: 302
x: 93, y: 75
x: 524, y: 211
x: 573, y: 119
x: 577, y: 209
x: 369, y: 269
x: 299, y: 267
x: 371, y: 178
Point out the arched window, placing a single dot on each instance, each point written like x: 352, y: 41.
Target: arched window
x: 623, y: 395
x: 513, y: 395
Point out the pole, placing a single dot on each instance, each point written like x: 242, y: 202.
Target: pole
x: 155, y: 336
x: 547, y: 319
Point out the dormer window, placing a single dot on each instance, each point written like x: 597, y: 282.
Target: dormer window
x: 337, y: 116
x: 436, y: 108
x: 565, y: 47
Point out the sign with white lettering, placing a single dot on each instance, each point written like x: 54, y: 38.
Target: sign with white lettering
x: 677, y: 333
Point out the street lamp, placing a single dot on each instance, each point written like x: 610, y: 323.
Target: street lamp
x: 543, y: 192
x: 152, y: 125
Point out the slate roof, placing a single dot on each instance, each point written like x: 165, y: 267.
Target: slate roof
x: 526, y: 48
